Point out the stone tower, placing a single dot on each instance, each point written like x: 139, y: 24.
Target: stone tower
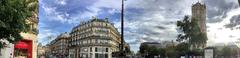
x: 199, y: 13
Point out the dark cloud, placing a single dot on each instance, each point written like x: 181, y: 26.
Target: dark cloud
x: 234, y: 21
x: 150, y: 39
x: 145, y: 20
x: 153, y: 18
x: 217, y: 9
x: 161, y: 27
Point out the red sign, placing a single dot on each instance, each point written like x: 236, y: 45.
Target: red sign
x: 25, y: 44
x: 21, y: 45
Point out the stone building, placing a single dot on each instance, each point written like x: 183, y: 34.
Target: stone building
x: 199, y: 13
x: 96, y: 38
x: 58, y: 47
x: 41, y: 50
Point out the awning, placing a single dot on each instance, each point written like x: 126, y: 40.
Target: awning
x: 21, y: 45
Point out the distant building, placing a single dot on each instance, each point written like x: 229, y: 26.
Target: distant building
x: 48, y: 51
x: 163, y: 44
x: 41, y: 50
x: 96, y: 38
x: 199, y: 13
x: 58, y: 47
x: 144, y: 47
x: 155, y: 44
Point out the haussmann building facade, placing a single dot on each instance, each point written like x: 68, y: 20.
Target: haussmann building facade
x: 58, y: 47
x: 96, y: 38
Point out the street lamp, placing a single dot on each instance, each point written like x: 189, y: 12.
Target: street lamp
x: 122, y: 29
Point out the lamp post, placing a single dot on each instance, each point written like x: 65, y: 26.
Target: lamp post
x: 122, y: 29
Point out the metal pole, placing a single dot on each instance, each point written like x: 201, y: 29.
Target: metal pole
x: 122, y: 28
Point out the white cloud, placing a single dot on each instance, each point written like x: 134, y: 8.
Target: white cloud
x: 96, y: 9
x: 219, y: 34
x: 61, y: 2
x: 230, y: 14
x: 53, y: 14
x: 156, y: 22
x: 46, y: 35
x: 158, y: 12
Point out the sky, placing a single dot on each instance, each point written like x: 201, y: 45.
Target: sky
x: 145, y: 20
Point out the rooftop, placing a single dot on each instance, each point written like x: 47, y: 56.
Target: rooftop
x: 64, y: 35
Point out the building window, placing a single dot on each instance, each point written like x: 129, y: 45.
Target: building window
x: 90, y: 49
x: 106, y: 55
x: 96, y: 55
x: 106, y: 49
x: 96, y: 41
x: 88, y: 41
x: 96, y: 50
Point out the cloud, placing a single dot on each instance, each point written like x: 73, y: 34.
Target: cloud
x: 217, y: 10
x: 72, y: 12
x: 61, y: 2
x: 234, y: 21
x: 46, y: 35
x: 52, y: 13
x: 97, y: 8
x: 57, y: 16
x: 229, y: 28
x: 145, y: 20
x: 156, y: 19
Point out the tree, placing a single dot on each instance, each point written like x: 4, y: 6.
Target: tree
x: 127, y: 51
x: 171, y: 52
x: 228, y: 52
x: 13, y: 15
x: 150, y: 51
x: 191, y: 32
x: 154, y: 51
x: 143, y: 49
x: 182, y: 48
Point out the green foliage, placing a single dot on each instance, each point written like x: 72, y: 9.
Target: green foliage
x: 13, y: 15
x: 143, y: 49
x: 154, y: 51
x: 151, y: 50
x: 128, y: 51
x: 182, y: 48
x: 172, y: 52
x: 191, y: 32
x: 226, y: 52
x: 197, y: 52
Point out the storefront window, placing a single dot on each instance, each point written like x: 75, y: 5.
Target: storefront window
x: 20, y: 53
